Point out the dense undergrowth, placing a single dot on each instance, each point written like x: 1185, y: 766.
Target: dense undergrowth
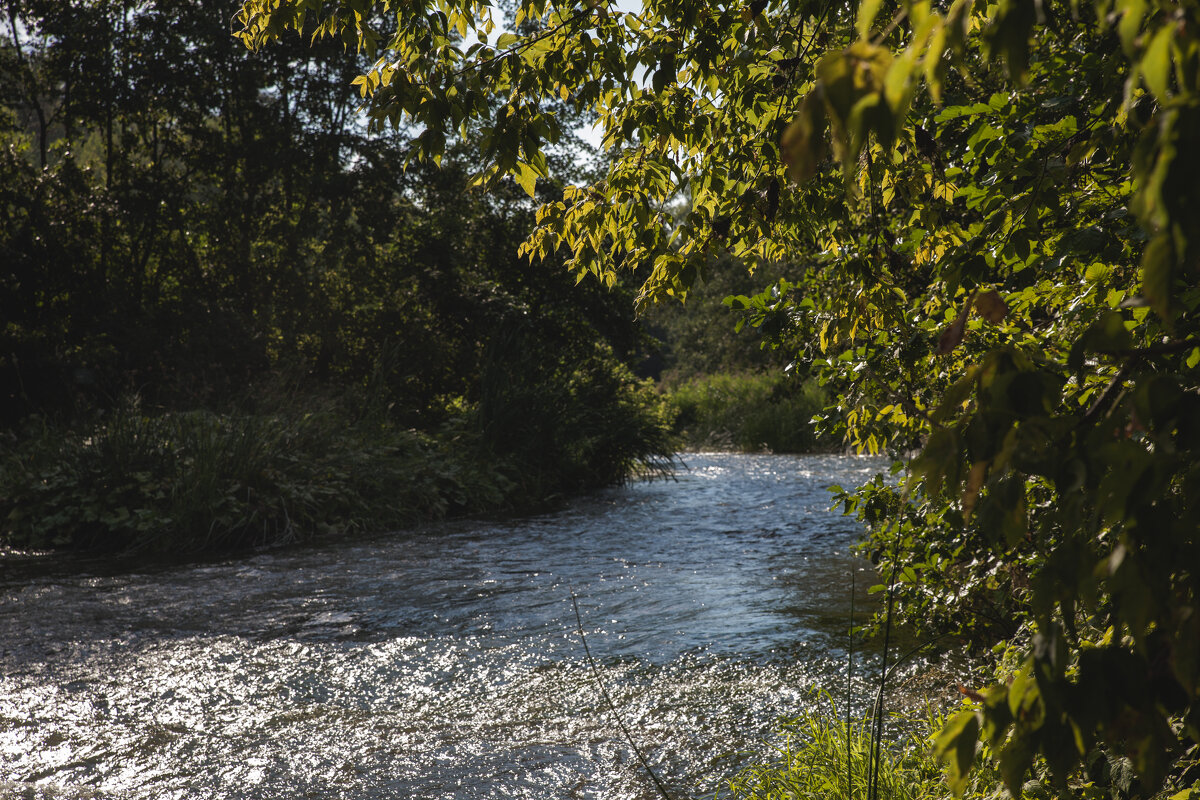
x: 200, y: 480
x: 749, y: 412
x: 821, y: 756
x: 180, y: 482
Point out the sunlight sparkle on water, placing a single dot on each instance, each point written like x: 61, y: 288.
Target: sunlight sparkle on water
x: 446, y: 662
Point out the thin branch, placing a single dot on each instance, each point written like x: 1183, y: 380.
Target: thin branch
x: 1111, y: 392
x: 586, y: 10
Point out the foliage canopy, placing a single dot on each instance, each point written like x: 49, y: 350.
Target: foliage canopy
x: 988, y: 217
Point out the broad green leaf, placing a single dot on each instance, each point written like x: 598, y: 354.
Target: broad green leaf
x: 1016, y: 757
x: 956, y: 395
x: 803, y: 142
x: 1132, y: 14
x: 1155, y: 63
x: 954, y: 745
x: 866, y: 17
x: 1158, y: 264
x: 526, y: 178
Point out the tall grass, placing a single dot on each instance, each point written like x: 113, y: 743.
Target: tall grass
x: 819, y: 759
x: 822, y: 756
x: 825, y: 755
x: 748, y: 412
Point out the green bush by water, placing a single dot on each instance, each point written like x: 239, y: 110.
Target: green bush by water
x: 304, y: 466
x: 573, y: 422
x: 195, y: 481
x: 748, y: 412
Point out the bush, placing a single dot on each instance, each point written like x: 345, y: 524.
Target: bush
x: 749, y: 412
x: 194, y: 481
x: 300, y: 466
x: 571, y: 422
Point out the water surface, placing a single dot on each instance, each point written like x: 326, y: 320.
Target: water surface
x: 447, y: 662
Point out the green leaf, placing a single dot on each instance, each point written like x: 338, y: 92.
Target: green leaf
x: 866, y: 16
x: 954, y: 745
x: 526, y: 177
x: 939, y: 462
x: 956, y: 395
x: 1156, y: 62
x: 1133, y: 11
x: 1107, y: 334
x: 661, y: 79
x: 1016, y: 758
x: 803, y: 142
x: 1158, y: 263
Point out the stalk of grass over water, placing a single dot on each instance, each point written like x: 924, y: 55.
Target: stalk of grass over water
x: 658, y: 784
x: 877, y: 733
x: 850, y: 680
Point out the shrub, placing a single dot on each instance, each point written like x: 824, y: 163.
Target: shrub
x: 569, y: 422
x: 822, y: 757
x: 193, y: 481
x: 749, y: 412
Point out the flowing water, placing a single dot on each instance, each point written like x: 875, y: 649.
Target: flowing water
x: 447, y: 662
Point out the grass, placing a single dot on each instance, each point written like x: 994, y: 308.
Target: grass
x: 748, y: 412
x: 820, y: 758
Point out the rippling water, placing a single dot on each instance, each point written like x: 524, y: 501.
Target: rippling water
x: 446, y: 663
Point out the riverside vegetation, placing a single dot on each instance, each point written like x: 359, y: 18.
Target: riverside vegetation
x: 729, y: 389
x: 748, y: 412
x: 986, y: 213
x: 227, y: 323
x: 821, y: 757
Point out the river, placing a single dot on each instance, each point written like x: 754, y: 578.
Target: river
x: 447, y: 662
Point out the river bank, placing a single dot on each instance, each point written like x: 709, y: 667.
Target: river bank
x: 747, y: 412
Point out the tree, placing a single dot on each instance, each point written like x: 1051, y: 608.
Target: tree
x: 145, y: 173
x: 987, y: 214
